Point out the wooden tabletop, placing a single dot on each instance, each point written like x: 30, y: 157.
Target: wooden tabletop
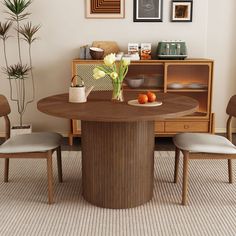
x: 99, y: 107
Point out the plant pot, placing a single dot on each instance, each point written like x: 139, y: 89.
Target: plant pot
x: 24, y: 129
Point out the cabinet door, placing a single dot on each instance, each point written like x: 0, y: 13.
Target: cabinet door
x: 85, y: 71
x: 152, y: 73
x: 189, y: 75
x: 192, y: 80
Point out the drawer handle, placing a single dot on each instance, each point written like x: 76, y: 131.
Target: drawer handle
x: 186, y: 126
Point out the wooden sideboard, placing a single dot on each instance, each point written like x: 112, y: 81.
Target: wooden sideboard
x: 191, y: 77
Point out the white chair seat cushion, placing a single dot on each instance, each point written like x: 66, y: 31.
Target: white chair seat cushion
x: 208, y: 143
x: 34, y: 142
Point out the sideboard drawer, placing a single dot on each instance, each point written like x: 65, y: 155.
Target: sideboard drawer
x: 187, y: 126
x: 159, y: 127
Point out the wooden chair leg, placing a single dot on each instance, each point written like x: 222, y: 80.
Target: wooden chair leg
x: 6, y: 170
x: 50, y: 177
x: 59, y: 165
x: 230, y: 170
x: 176, y: 173
x: 70, y: 139
x: 185, y: 178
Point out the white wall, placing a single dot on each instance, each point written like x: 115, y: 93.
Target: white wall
x: 65, y: 29
x: 221, y: 47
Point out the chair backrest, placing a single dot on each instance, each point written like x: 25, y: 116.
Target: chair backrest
x: 231, y: 111
x: 231, y: 108
x: 4, y: 111
x: 4, y: 106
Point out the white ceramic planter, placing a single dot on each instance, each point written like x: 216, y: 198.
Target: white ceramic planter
x: 25, y: 129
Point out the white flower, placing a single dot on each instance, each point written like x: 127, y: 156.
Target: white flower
x: 114, y: 75
x: 97, y: 74
x: 126, y: 61
x: 110, y: 59
x: 115, y: 71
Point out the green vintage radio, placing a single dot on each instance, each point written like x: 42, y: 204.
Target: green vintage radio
x: 172, y: 49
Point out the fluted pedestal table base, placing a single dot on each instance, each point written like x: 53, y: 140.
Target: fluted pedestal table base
x: 118, y: 163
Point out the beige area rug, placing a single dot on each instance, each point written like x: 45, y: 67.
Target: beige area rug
x: 24, y: 209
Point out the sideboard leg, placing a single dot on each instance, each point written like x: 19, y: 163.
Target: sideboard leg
x: 70, y: 139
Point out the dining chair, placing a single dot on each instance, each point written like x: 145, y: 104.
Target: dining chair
x: 33, y: 146
x: 205, y: 146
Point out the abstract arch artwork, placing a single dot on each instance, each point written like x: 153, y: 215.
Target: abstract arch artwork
x: 105, y: 8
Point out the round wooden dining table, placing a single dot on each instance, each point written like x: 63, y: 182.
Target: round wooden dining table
x: 117, y: 143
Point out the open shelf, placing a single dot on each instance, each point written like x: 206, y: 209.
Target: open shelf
x: 198, y: 114
x: 202, y: 114
x: 155, y: 89
x: 187, y: 90
x: 201, y: 97
x: 146, y: 69
x: 187, y: 74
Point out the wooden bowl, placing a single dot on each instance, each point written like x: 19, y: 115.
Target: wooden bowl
x: 96, y: 53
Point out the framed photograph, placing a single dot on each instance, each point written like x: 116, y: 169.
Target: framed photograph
x: 105, y: 9
x: 148, y: 10
x: 182, y: 11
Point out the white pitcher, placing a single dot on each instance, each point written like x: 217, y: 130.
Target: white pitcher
x: 78, y: 93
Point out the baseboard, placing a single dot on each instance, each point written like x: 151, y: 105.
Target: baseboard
x: 220, y: 130
x: 223, y: 130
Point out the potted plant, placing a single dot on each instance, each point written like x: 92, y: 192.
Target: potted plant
x: 20, y: 75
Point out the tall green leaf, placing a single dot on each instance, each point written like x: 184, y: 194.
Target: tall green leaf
x: 28, y: 32
x: 17, y: 71
x: 4, y: 28
x: 16, y: 8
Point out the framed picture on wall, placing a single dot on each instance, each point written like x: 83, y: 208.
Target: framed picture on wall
x: 148, y: 10
x: 105, y: 9
x: 182, y: 11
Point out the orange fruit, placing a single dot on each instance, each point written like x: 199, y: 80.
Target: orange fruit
x: 142, y: 98
x: 151, y: 96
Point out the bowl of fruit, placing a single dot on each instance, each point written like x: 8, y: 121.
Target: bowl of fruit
x: 148, y: 99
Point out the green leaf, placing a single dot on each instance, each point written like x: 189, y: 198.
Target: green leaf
x: 28, y: 32
x: 16, y: 8
x: 17, y: 71
x: 106, y: 69
x: 4, y: 28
